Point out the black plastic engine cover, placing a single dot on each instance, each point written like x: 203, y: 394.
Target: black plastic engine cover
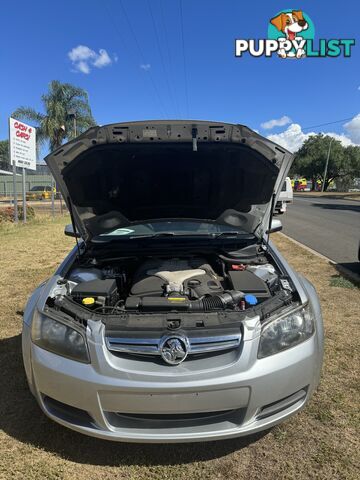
x: 248, y: 282
x: 147, y: 284
x: 96, y: 288
x: 151, y: 286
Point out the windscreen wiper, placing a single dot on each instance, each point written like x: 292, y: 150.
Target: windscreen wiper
x: 153, y: 235
x: 230, y: 233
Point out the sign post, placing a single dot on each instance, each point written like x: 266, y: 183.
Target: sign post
x: 52, y: 198
x: 24, y: 194
x: 16, y: 213
x: 22, y: 141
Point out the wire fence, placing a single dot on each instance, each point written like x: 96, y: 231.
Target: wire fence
x: 41, y: 193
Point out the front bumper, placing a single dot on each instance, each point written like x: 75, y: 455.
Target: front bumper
x: 109, y: 400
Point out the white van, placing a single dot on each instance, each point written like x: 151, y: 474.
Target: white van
x: 285, y: 197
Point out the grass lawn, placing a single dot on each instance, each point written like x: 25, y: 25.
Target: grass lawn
x: 320, y: 442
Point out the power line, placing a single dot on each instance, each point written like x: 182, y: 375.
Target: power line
x: 167, y: 45
x: 328, y: 123
x: 119, y: 33
x: 183, y: 54
x: 161, y: 53
x: 142, y: 56
x: 115, y: 25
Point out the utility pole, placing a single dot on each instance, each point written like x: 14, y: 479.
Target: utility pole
x: 326, y: 165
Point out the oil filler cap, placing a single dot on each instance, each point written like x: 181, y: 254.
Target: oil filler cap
x: 88, y: 301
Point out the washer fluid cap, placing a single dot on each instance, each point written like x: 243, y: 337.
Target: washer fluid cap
x: 251, y: 299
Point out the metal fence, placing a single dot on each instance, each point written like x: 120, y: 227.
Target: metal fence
x: 40, y: 188
x: 6, y: 183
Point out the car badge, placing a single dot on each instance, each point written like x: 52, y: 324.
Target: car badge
x: 174, y: 349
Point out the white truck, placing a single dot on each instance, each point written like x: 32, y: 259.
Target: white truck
x: 285, y: 197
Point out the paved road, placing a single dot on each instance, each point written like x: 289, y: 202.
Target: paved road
x: 327, y: 225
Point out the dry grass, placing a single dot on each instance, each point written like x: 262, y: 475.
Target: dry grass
x: 320, y: 442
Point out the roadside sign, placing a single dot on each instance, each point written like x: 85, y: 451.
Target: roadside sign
x: 22, y: 144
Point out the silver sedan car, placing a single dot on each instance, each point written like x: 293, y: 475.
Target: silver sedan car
x: 174, y: 318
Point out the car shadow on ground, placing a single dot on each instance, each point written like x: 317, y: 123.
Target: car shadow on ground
x: 21, y: 418
x: 334, y: 206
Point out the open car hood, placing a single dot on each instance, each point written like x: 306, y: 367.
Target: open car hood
x: 122, y: 174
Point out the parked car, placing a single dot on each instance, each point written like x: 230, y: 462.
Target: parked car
x: 175, y: 318
x: 285, y: 197
x: 301, y: 185
x: 39, y: 192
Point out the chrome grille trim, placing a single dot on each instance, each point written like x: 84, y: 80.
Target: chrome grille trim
x: 151, y: 346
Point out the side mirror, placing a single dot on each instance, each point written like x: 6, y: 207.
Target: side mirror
x: 276, y: 226
x: 69, y: 231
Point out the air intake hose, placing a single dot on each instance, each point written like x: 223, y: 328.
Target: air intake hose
x: 217, y: 302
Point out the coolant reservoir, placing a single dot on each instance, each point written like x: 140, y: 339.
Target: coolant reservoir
x: 266, y: 272
x: 80, y: 275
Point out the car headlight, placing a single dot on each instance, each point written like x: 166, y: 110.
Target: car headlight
x: 286, y: 331
x: 59, y: 338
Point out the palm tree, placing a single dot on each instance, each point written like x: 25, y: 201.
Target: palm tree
x: 62, y: 103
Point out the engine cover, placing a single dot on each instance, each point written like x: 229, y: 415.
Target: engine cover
x: 192, y: 277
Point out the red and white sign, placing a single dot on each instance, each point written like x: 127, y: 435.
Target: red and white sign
x: 22, y: 144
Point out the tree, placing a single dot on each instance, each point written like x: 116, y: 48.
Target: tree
x: 310, y: 160
x: 62, y: 102
x: 4, y: 154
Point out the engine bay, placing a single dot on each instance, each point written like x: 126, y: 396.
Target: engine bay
x: 164, y: 284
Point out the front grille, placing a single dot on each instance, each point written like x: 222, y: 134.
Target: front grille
x: 181, y: 423
x: 173, y: 416
x: 152, y: 346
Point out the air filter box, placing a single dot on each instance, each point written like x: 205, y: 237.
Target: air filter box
x: 248, y: 282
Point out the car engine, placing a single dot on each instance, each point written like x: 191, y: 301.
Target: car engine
x: 181, y: 284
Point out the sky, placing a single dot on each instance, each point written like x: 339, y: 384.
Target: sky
x: 174, y: 59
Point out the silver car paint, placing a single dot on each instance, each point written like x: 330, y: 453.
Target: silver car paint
x: 110, y: 384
